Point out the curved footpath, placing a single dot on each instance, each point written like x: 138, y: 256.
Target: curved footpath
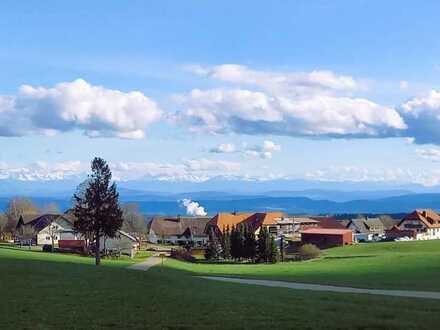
x: 155, y: 260
x: 328, y: 288
x: 147, y: 264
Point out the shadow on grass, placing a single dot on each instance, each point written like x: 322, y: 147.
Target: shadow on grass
x: 351, y: 257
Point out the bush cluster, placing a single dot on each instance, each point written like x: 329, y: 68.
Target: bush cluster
x: 309, y: 251
x: 182, y: 254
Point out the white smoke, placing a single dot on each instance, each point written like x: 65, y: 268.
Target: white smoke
x: 193, y: 208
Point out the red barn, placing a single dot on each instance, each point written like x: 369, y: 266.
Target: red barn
x: 327, y: 237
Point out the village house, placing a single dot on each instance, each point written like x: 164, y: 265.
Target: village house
x: 424, y: 223
x: 275, y: 222
x: 367, y: 229
x: 46, y: 228
x: 58, y: 229
x: 178, y: 230
x: 327, y: 237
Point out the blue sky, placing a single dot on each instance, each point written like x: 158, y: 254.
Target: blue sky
x: 327, y: 55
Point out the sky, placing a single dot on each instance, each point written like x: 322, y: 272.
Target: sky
x: 190, y: 90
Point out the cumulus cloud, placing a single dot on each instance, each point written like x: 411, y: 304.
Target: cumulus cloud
x: 77, y: 105
x: 422, y: 116
x: 295, y: 104
x: 193, y: 208
x: 263, y: 151
x: 298, y: 83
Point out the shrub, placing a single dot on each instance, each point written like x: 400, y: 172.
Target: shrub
x: 309, y: 251
x: 182, y: 254
x: 47, y: 248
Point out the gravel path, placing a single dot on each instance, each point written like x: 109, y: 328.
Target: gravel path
x: 328, y: 288
x: 147, y: 264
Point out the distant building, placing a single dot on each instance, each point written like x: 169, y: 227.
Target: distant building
x: 367, y: 229
x: 424, y: 223
x: 329, y: 222
x: 222, y: 221
x: 178, y: 230
x: 327, y: 237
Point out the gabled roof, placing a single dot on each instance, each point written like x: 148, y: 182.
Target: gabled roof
x: 358, y: 226
x: 329, y: 222
x: 178, y: 226
x: 40, y: 222
x: 374, y: 222
x: 224, y: 220
x: 427, y: 216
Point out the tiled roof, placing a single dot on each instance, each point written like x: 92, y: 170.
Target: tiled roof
x: 174, y: 226
x: 224, y: 220
x: 329, y: 222
x: 427, y: 216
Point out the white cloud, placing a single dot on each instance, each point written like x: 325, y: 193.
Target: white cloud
x: 223, y: 148
x: 77, y: 105
x: 432, y: 154
x: 299, y: 83
x: 422, y: 116
x: 193, y: 208
x: 295, y: 104
x: 263, y: 151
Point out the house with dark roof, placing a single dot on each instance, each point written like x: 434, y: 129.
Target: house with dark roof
x: 367, y: 229
x: 178, y: 230
x: 424, y: 223
x: 46, y: 228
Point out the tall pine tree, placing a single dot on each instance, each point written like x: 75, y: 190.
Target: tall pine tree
x: 250, y: 247
x: 97, y: 206
x: 262, y: 243
x: 226, y: 243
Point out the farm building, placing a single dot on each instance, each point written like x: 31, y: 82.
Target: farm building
x: 367, y: 229
x: 44, y: 228
x: 327, y: 237
x: 178, y: 230
x: 52, y: 228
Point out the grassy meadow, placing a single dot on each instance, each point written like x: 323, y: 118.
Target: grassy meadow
x: 392, y: 265
x: 53, y: 291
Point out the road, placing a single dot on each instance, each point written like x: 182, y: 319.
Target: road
x: 327, y: 288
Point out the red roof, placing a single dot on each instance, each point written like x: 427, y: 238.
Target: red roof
x: 427, y: 216
x: 326, y: 231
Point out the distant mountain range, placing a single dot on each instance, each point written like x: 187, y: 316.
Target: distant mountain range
x: 309, y: 201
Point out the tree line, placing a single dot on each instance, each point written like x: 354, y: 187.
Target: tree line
x: 240, y: 243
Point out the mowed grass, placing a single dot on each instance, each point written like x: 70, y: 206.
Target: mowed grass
x: 395, y: 265
x: 50, y: 291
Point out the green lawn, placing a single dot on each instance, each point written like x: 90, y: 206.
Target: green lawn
x: 396, y: 265
x: 51, y: 291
